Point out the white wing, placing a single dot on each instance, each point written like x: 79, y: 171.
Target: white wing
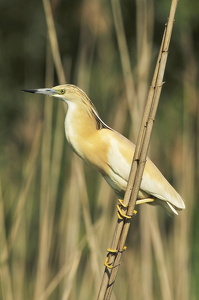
x: 120, y: 155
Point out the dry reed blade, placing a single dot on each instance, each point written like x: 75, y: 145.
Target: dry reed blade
x: 50, y: 167
x: 145, y: 28
x: 125, y: 59
x: 91, y: 237
x: 165, y: 286
x: 30, y: 169
x: 86, y: 47
x: 5, y: 274
x: 70, y: 233
x: 138, y: 164
x: 70, y: 226
x: 46, y: 205
x: 57, y: 150
x: 53, y: 41
x: 144, y: 42
x: 187, y: 181
x: 69, y: 269
x: 146, y: 254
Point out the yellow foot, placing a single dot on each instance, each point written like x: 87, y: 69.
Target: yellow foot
x: 106, y: 264
x: 121, y: 215
x: 114, y: 252
x: 124, y: 248
x: 121, y: 201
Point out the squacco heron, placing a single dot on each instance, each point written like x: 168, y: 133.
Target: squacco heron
x: 109, y: 151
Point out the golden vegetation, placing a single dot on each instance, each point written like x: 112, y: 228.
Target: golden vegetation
x: 56, y: 220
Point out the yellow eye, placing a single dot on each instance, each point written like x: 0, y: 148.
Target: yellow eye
x: 62, y: 91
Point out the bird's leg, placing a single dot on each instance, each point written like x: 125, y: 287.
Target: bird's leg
x: 140, y: 201
x: 145, y: 200
x: 121, y: 205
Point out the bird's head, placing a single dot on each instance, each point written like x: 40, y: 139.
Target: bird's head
x: 73, y: 96
x: 67, y: 92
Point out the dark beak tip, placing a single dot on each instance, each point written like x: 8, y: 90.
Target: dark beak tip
x: 29, y: 91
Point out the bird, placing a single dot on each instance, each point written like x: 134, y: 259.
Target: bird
x: 108, y: 151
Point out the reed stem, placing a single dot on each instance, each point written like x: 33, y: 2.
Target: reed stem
x: 138, y: 164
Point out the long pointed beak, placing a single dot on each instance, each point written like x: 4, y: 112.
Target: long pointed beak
x: 48, y: 92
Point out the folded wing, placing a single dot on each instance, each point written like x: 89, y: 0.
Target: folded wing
x: 120, y: 155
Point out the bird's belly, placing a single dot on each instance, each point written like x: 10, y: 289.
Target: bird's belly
x: 119, y: 185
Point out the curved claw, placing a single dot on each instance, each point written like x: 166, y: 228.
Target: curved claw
x: 121, y: 201
x: 106, y: 264
x: 122, y: 215
x: 113, y: 251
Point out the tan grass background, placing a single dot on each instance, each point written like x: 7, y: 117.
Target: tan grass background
x: 56, y: 215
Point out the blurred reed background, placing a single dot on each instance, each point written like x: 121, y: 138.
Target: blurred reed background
x: 57, y: 215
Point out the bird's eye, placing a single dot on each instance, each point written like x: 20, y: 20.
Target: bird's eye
x: 62, y: 91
